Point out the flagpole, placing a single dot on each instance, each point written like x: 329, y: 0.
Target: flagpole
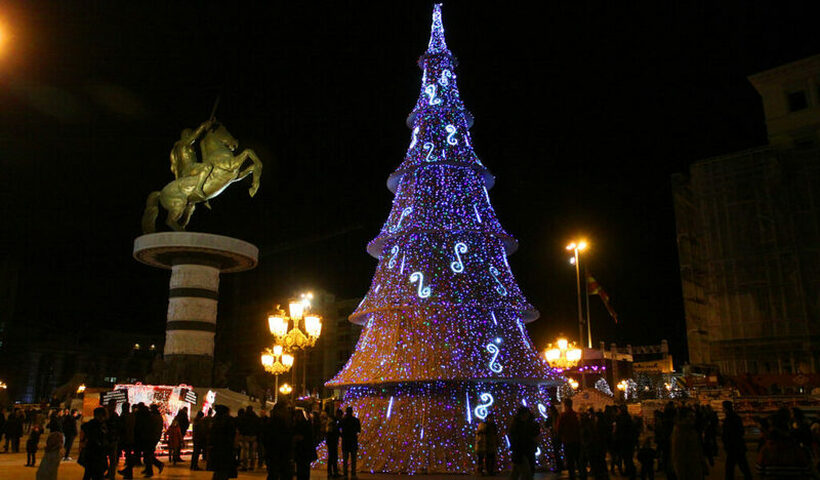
x: 586, y: 295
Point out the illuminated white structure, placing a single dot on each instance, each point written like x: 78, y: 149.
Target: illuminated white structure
x: 196, y: 260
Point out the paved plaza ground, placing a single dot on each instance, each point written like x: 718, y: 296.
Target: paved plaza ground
x: 11, y: 468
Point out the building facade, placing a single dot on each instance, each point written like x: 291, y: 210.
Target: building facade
x: 748, y: 233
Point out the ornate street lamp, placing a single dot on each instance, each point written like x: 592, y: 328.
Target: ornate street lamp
x: 296, y: 337
x: 275, y: 361
x: 285, y: 389
x: 288, y: 332
x: 563, y: 355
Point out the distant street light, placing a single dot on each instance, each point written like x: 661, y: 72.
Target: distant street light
x: 285, y: 389
x: 275, y: 361
x: 81, y: 389
x: 3, y: 385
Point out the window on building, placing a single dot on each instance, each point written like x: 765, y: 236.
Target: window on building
x: 797, y: 100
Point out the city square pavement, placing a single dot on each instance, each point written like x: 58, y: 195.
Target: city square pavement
x: 11, y: 468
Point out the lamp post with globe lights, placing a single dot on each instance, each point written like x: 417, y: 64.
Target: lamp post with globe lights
x: 564, y: 355
x: 285, y: 389
x: 290, y: 335
x: 276, y: 362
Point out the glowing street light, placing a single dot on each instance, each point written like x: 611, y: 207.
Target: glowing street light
x: 276, y: 361
x: 296, y: 337
x: 81, y: 388
x: 573, y: 383
x: 563, y: 355
x: 3, y: 385
x: 285, y: 389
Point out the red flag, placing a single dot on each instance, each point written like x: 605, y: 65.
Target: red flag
x: 595, y: 288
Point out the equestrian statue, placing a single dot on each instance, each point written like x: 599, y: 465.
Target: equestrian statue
x: 196, y: 182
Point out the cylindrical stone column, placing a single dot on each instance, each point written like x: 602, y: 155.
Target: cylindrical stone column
x: 196, y: 260
x: 192, y: 305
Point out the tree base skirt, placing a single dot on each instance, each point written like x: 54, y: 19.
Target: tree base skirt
x: 430, y: 427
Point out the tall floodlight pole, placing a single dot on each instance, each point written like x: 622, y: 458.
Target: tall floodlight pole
x: 586, y: 299
x: 576, y: 248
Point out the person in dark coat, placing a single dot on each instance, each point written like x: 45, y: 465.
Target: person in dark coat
x: 140, y: 418
x: 3, y: 429
x: 154, y: 435
x: 144, y: 443
x: 200, y: 437
x: 222, y: 442
x: 68, y: 425
x: 332, y: 434
x: 14, y: 430
x: 277, y: 437
x: 55, y: 422
x: 569, y: 432
x: 598, y: 446
x: 626, y: 437
x: 663, y: 437
x: 32, y: 444
x: 93, y: 447
x: 183, y: 422
x: 114, y: 427
x: 351, y: 427
x: 304, y: 449
x: 523, y: 435
x: 551, y: 425
x: 733, y: 443
x: 248, y: 426
x: 126, y: 444
x: 646, y: 455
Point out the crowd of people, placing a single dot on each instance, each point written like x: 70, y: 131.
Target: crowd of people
x: 61, y: 425
x: 681, y: 442
x: 284, y: 442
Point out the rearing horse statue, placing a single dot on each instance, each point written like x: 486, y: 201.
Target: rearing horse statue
x: 200, y: 181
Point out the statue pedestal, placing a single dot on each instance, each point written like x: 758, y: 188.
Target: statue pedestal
x: 196, y: 260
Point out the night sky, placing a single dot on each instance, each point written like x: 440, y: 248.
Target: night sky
x: 582, y: 111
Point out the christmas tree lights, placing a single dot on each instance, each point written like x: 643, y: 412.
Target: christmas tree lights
x: 444, y: 342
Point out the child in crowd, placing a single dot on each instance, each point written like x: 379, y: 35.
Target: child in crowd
x: 173, y: 436
x: 646, y: 455
x: 32, y: 444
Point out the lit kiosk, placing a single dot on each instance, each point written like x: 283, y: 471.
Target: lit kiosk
x: 196, y: 260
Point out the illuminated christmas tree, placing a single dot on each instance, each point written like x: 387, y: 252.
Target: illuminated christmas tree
x: 444, y: 341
